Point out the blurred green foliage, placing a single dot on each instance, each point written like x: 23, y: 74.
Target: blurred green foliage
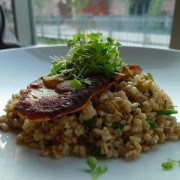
x: 44, y: 40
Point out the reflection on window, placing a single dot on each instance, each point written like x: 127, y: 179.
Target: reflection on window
x: 132, y: 22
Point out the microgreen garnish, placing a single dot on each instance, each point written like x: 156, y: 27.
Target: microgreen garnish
x: 167, y: 165
x: 170, y: 163
x: 76, y: 84
x: 94, y: 169
x: 166, y: 112
x: 88, y: 54
x: 175, y: 161
x: 151, y: 123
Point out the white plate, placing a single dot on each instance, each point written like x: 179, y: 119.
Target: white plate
x: 20, y: 67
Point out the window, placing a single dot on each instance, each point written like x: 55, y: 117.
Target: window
x: 132, y: 22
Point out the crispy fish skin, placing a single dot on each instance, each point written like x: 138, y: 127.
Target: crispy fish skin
x: 42, y: 103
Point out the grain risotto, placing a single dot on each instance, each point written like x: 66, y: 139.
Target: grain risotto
x: 120, y: 122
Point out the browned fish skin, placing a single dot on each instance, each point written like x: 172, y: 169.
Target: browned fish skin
x: 41, y: 103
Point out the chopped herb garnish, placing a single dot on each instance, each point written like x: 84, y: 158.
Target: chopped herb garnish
x: 150, y: 76
x: 151, y: 123
x: 133, y: 110
x: 89, y: 54
x: 96, y: 151
x: 166, y: 112
x: 90, y: 124
x: 117, y: 125
x: 94, y: 169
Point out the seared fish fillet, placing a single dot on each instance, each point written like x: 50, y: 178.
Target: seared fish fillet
x: 43, y: 102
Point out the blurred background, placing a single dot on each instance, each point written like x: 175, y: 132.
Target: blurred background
x: 132, y: 22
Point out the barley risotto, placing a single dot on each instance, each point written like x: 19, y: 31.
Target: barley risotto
x: 121, y: 122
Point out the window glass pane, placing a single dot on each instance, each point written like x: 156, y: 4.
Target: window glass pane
x: 132, y: 22
x: 7, y: 6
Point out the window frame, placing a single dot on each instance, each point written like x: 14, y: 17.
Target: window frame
x: 175, y: 35
x: 24, y: 22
